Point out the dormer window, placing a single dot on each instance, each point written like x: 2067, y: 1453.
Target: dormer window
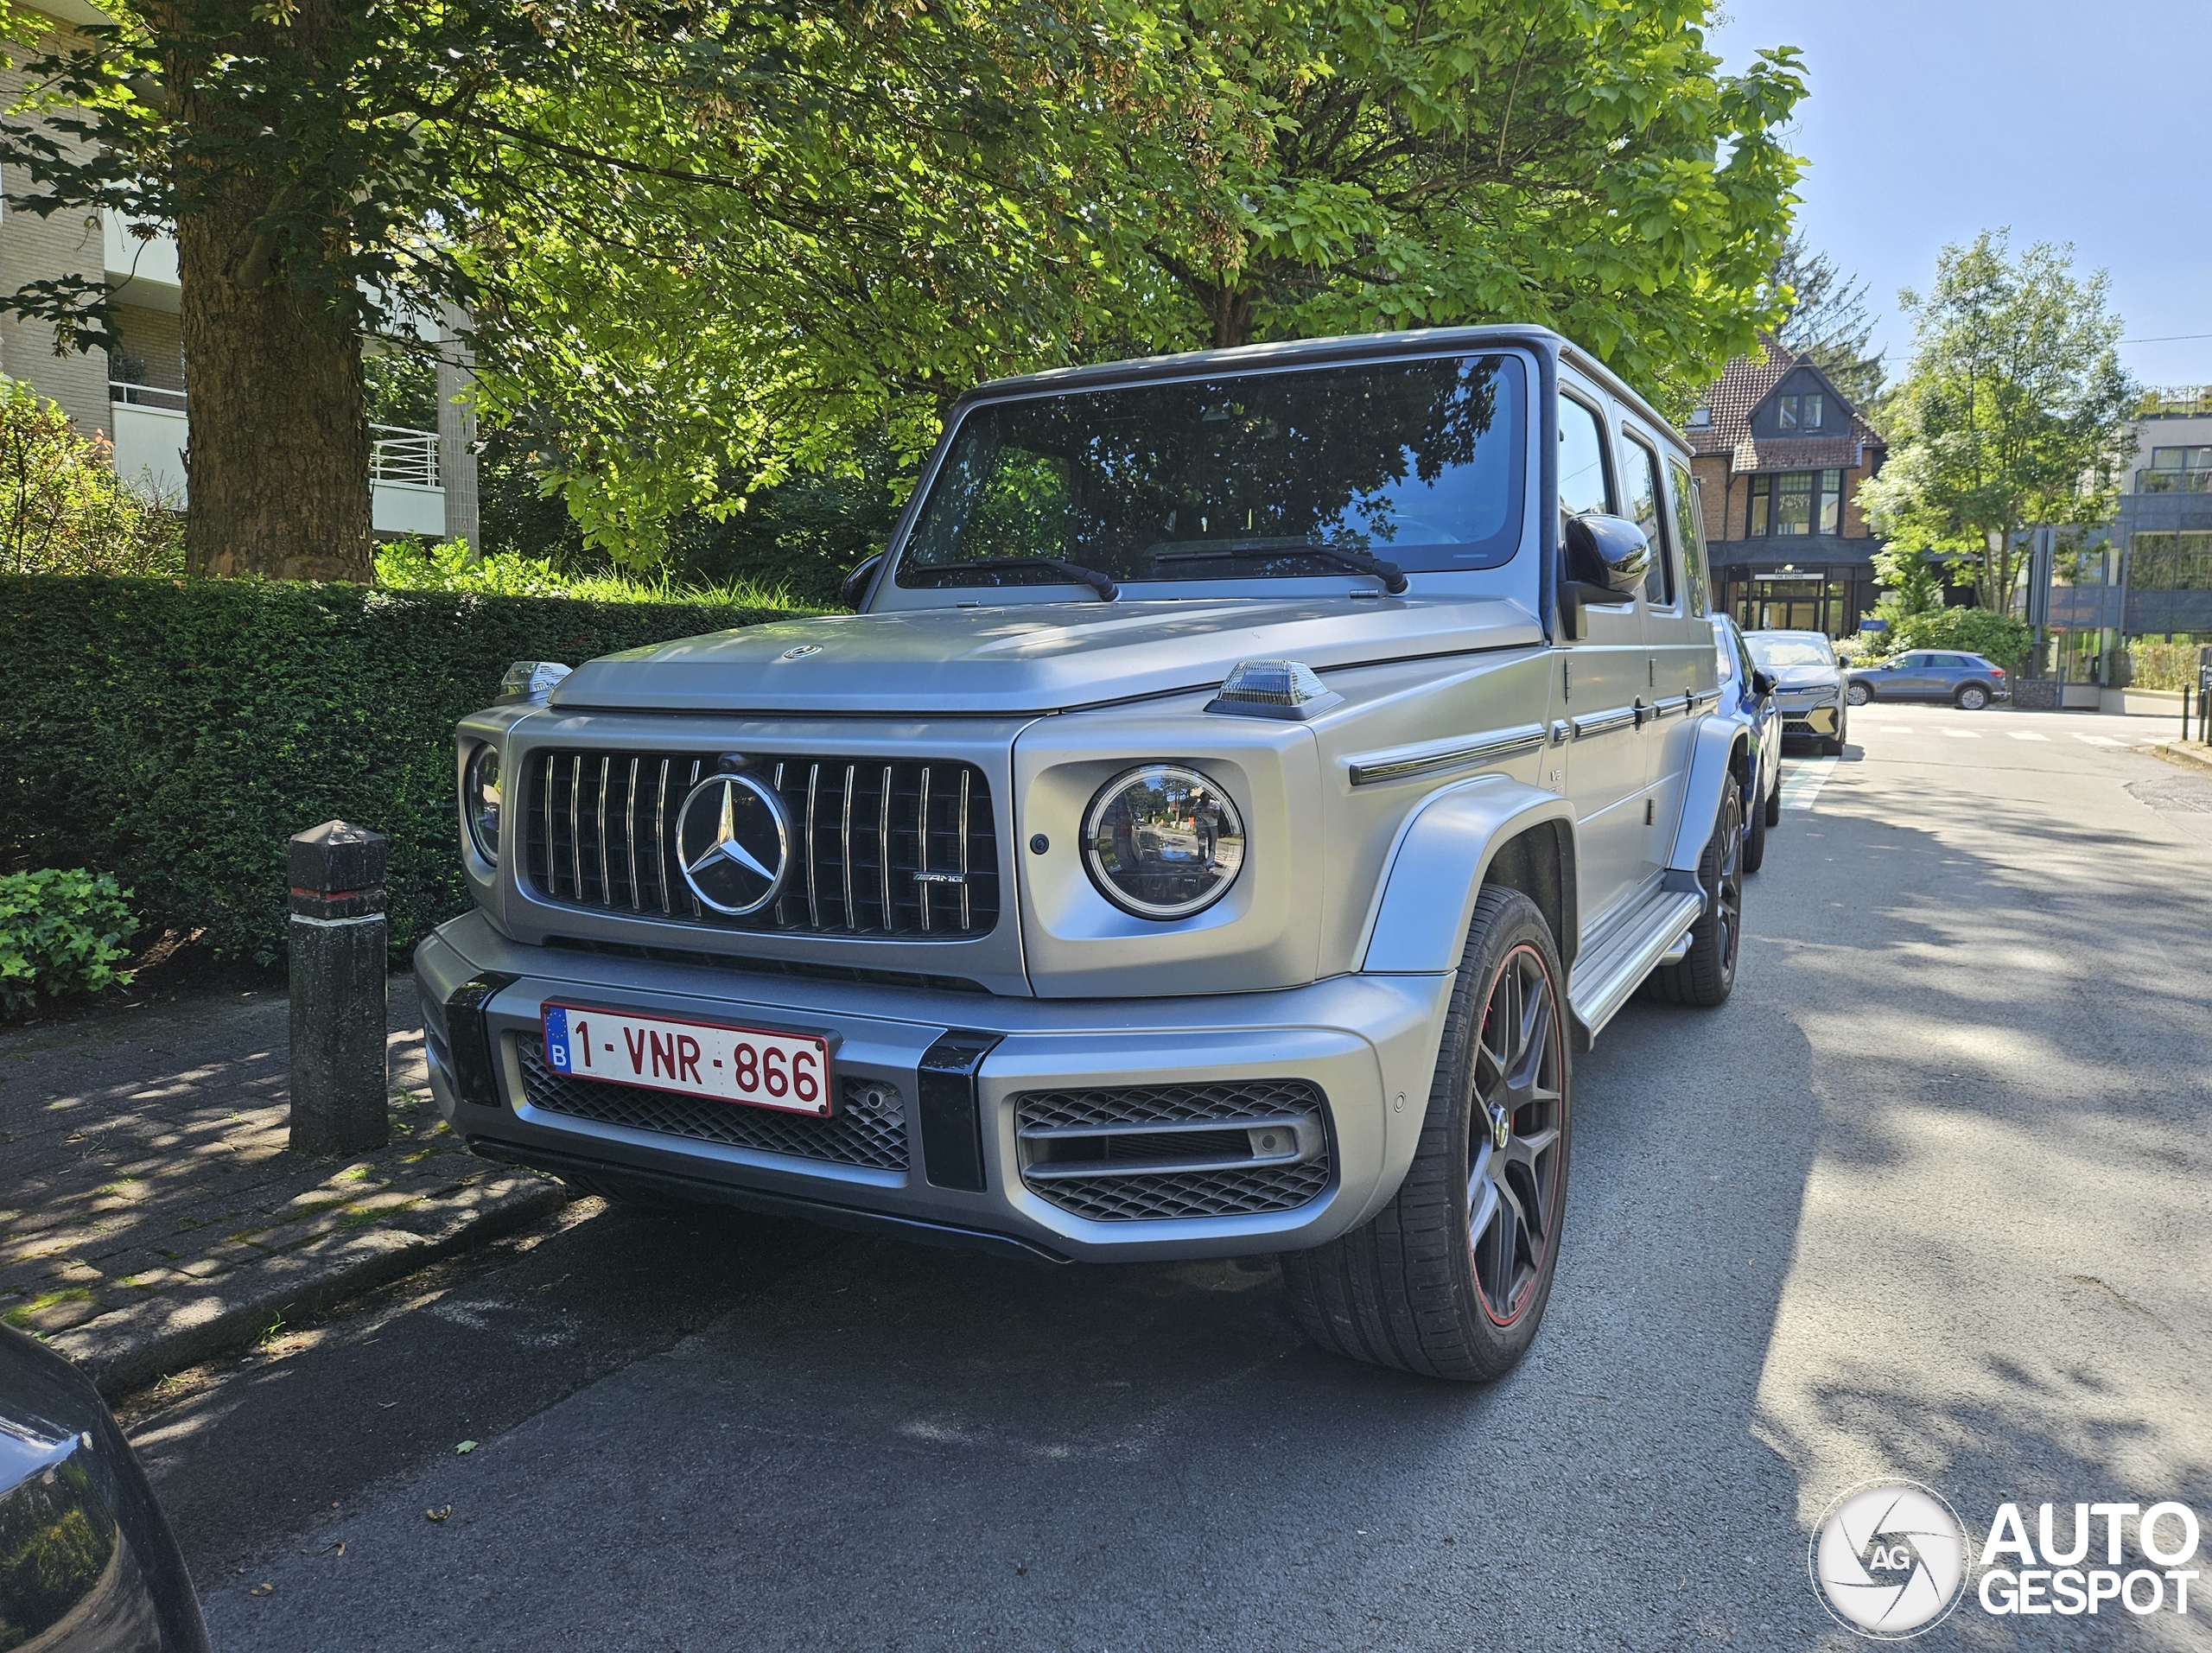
x: 1701, y: 417
x: 1800, y: 412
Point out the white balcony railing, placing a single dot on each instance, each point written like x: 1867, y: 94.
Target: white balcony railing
x: 400, y: 454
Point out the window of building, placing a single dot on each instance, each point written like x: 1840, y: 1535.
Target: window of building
x: 1801, y: 412
x: 2177, y: 470
x: 1793, y: 502
x: 2170, y: 563
x: 1701, y: 417
x: 2181, y: 459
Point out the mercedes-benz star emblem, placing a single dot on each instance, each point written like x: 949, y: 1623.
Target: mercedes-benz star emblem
x: 733, y: 842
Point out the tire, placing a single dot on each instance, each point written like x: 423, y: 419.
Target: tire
x: 1972, y: 697
x: 1755, y: 841
x: 1832, y: 744
x: 1857, y: 694
x: 1707, y: 973
x: 1774, y: 802
x: 1476, y: 1223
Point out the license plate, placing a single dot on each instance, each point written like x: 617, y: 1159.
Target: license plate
x: 751, y: 1065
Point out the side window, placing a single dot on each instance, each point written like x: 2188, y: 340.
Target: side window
x: 1689, y: 535
x: 1582, y: 479
x: 1647, y: 505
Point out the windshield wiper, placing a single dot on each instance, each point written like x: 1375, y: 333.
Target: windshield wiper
x: 1244, y: 550
x: 1102, y: 583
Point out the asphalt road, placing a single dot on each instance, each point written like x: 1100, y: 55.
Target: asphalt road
x: 1927, y: 1197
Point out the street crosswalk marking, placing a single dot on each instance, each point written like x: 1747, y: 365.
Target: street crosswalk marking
x: 1802, y: 783
x: 1964, y: 734
x: 2097, y: 739
x: 2026, y: 735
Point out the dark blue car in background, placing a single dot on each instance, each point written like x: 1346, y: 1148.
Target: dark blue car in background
x: 1969, y: 681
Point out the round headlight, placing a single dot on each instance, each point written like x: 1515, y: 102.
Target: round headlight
x: 1162, y: 841
x: 480, y: 801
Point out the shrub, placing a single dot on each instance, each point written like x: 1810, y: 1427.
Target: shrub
x: 60, y: 932
x: 2163, y: 665
x: 2004, y: 641
x: 411, y: 565
x: 62, y: 508
x: 180, y: 731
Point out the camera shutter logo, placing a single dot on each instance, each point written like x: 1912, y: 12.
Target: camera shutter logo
x: 732, y: 841
x: 1889, y: 1559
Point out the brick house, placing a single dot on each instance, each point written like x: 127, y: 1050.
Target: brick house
x: 423, y: 482
x: 1779, y: 458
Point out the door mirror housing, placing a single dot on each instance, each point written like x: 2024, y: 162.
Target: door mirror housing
x: 1609, y: 552
x: 853, y: 591
x: 1762, y: 685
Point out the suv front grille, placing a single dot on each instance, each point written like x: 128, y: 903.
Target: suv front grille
x: 868, y: 1128
x: 1143, y: 1153
x: 883, y: 847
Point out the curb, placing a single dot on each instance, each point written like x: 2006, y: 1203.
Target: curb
x: 2189, y: 756
x: 121, y: 1352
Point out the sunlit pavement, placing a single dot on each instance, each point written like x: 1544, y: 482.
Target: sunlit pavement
x: 1927, y: 1197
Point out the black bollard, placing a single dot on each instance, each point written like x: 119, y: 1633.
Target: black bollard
x: 338, y: 942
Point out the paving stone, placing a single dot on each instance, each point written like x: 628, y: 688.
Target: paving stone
x: 142, y: 1146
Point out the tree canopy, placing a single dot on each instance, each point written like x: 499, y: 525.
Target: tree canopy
x: 2012, y: 415
x: 708, y: 243
x: 1826, y: 321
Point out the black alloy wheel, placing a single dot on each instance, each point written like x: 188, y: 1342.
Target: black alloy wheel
x: 1450, y: 1279
x: 1515, y: 1147
x: 1707, y: 974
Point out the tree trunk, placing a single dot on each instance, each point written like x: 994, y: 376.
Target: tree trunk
x: 277, y: 449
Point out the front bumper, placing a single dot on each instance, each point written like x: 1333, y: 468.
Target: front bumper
x: 1817, y: 715
x: 1367, y: 1043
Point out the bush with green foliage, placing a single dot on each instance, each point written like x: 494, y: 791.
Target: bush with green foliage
x: 62, y: 508
x: 411, y: 565
x: 61, y: 931
x: 1999, y: 638
x: 180, y: 732
x: 2163, y: 665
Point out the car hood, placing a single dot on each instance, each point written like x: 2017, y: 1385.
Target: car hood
x: 1806, y: 680
x: 1035, y: 658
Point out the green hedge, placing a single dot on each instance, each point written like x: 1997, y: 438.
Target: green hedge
x: 176, y: 732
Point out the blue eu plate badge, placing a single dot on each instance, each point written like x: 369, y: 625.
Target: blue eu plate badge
x: 556, y: 1037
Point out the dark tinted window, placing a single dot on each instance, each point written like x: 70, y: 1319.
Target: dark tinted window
x: 1646, y: 505
x: 1417, y: 462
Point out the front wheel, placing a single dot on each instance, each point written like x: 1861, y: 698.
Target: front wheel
x: 1859, y: 694
x: 1972, y: 697
x: 1450, y: 1279
x: 1707, y: 974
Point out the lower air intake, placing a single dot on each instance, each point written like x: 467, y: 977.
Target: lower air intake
x: 1160, y: 1153
x: 868, y: 1128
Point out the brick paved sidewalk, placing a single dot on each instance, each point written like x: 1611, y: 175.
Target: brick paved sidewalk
x: 150, y: 1216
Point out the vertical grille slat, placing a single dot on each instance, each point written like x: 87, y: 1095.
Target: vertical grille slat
x: 881, y: 848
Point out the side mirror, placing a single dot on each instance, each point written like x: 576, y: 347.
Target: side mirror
x: 1607, y: 552
x: 853, y: 591
x: 1762, y: 685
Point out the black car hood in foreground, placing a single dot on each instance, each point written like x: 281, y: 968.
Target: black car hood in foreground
x: 87, y: 1564
x: 1042, y: 657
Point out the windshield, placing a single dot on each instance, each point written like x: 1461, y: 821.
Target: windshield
x: 1780, y: 653
x: 1418, y: 463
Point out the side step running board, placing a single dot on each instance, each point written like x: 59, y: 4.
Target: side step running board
x: 1603, y: 981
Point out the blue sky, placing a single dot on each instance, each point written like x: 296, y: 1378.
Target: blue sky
x: 1931, y: 120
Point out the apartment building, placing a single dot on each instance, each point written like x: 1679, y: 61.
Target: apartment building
x: 1780, y: 455
x: 422, y: 476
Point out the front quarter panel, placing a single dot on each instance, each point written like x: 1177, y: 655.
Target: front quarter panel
x: 1437, y: 869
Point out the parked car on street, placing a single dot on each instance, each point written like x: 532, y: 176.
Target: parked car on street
x: 1250, y: 780
x: 1746, y: 692
x: 1969, y: 681
x: 1808, y: 684
x: 87, y: 1564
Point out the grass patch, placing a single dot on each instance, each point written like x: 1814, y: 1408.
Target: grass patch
x: 21, y: 1317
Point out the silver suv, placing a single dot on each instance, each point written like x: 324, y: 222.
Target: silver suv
x: 1250, y: 778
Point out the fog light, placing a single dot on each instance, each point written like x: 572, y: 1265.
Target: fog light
x: 1284, y: 688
